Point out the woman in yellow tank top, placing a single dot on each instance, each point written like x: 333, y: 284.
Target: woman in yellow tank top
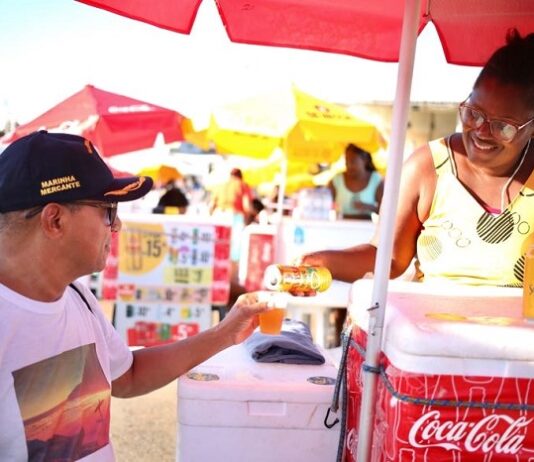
x: 466, y: 203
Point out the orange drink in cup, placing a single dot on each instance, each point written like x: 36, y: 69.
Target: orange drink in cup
x: 271, y: 321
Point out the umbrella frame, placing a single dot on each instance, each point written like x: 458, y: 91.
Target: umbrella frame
x: 386, y: 225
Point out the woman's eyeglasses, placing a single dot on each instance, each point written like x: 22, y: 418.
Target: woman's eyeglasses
x: 501, y: 130
x: 111, y: 207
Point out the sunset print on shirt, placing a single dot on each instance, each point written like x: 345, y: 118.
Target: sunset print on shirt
x: 64, y: 402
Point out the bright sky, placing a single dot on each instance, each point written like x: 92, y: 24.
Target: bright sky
x: 50, y: 49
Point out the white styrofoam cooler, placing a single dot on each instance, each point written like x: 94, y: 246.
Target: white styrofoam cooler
x: 233, y: 409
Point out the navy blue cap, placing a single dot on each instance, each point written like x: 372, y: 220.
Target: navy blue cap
x: 47, y: 167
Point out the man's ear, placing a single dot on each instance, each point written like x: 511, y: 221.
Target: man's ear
x: 52, y: 219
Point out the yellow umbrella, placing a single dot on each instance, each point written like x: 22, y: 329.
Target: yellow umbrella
x: 199, y: 137
x: 161, y: 173
x: 265, y: 170
x: 304, y: 127
x: 267, y: 174
x: 297, y: 181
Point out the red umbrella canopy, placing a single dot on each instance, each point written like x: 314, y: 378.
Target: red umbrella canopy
x: 115, y: 124
x: 119, y: 173
x: 469, y: 30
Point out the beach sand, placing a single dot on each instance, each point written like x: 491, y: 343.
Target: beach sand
x: 143, y: 429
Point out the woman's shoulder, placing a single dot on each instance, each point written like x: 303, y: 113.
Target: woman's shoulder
x: 338, y: 180
x: 430, y: 156
x: 375, y: 179
x: 419, y: 177
x: 421, y: 160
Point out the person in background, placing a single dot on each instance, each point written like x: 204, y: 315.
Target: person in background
x: 60, y: 359
x: 233, y: 199
x: 466, y: 203
x: 172, y: 197
x: 234, y: 196
x: 272, y: 202
x: 196, y: 194
x: 357, y: 191
x: 257, y: 209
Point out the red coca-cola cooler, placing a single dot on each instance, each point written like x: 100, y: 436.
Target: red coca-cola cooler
x: 455, y: 379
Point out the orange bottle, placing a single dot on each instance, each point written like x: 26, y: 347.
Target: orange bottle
x: 303, y: 279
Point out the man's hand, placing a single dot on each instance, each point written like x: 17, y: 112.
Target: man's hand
x: 242, y: 318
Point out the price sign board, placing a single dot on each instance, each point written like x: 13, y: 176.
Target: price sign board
x: 170, y: 273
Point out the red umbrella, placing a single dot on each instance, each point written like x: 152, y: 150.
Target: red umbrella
x: 119, y: 173
x: 368, y: 29
x: 114, y: 123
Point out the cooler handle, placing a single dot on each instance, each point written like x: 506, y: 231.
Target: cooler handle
x: 340, y: 380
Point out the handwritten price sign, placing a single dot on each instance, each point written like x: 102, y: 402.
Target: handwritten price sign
x: 170, y: 274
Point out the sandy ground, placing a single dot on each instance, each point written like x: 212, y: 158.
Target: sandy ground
x: 143, y: 429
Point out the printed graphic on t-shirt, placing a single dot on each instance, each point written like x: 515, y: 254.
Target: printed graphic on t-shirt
x: 64, y: 402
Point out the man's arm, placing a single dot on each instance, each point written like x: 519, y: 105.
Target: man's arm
x: 156, y: 366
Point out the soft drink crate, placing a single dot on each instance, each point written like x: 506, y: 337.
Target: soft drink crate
x: 457, y: 375
x: 234, y: 409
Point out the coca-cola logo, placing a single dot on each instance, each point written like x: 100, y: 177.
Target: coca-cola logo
x: 430, y: 431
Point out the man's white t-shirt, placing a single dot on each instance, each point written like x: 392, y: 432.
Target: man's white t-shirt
x: 57, y: 361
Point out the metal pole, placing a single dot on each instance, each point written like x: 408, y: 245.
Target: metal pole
x: 279, y: 216
x: 282, y: 186
x: 387, y: 224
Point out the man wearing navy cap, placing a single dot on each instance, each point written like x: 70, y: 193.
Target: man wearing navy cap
x: 60, y: 359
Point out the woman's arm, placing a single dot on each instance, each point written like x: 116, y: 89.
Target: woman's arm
x: 415, y: 198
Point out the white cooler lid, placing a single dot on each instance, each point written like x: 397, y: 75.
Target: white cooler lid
x: 232, y: 375
x: 451, y: 329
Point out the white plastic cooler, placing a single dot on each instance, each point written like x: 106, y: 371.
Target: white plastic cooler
x: 233, y: 409
x: 457, y: 375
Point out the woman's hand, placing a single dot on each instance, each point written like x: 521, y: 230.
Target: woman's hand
x: 311, y: 259
x: 364, y: 207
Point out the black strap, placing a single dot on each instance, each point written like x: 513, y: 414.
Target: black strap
x: 81, y: 296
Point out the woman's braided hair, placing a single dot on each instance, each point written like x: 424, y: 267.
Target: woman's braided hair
x: 513, y: 64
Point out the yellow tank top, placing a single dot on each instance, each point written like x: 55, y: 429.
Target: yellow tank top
x: 461, y: 242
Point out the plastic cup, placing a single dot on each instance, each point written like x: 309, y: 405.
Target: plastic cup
x: 271, y: 321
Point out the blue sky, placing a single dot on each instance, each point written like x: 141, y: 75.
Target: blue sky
x: 50, y: 49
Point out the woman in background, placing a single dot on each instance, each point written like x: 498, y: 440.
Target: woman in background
x: 357, y: 192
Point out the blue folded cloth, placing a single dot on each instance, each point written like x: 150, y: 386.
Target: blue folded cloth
x: 294, y: 345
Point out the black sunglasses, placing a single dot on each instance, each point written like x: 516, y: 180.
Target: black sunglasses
x: 111, y: 208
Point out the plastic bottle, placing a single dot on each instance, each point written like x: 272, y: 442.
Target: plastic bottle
x: 298, y: 235
x: 528, y: 285
x: 299, y: 279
